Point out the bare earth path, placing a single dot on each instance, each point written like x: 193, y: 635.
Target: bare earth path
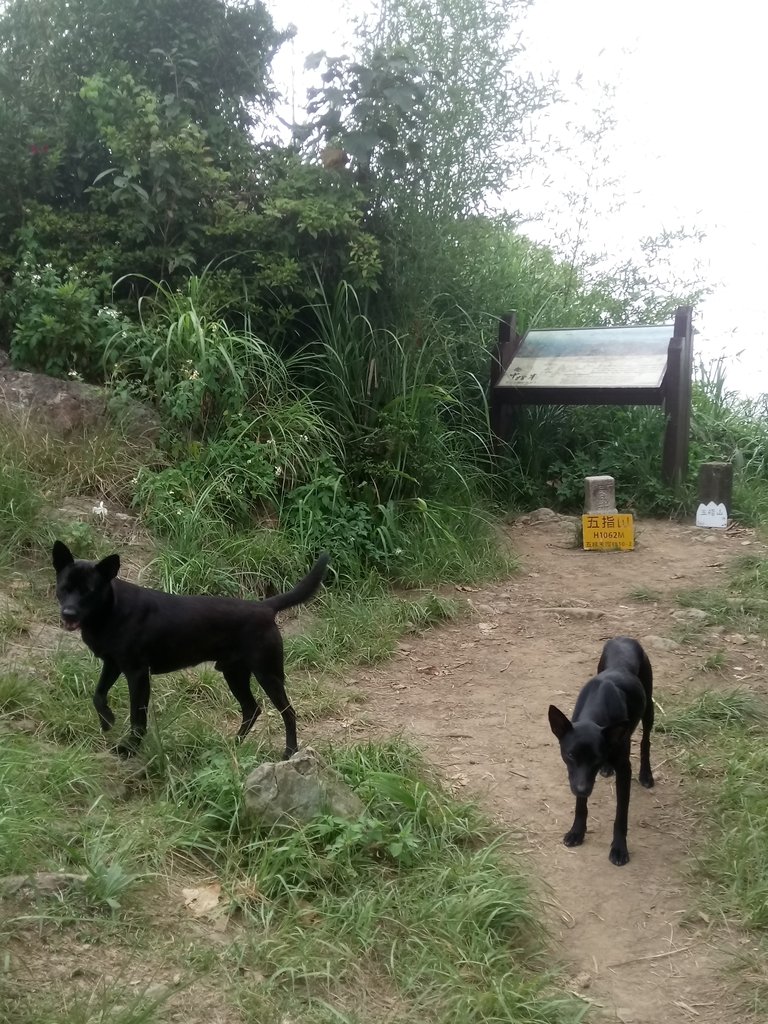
x: 474, y: 697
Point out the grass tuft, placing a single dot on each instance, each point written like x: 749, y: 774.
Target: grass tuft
x: 722, y: 746
x: 364, y: 629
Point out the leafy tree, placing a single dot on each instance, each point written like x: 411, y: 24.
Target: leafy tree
x: 158, y: 93
x: 372, y: 111
x: 211, y: 58
x: 433, y: 112
x: 130, y: 152
x: 164, y: 177
x: 435, y: 102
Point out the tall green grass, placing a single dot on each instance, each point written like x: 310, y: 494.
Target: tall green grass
x: 186, y: 358
x: 364, y: 443
x: 417, y: 414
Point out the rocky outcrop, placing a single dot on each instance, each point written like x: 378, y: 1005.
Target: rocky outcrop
x: 69, y: 406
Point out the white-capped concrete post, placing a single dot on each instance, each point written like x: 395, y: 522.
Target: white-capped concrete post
x: 715, y: 494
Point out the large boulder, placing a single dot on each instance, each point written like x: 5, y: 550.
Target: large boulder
x: 299, y: 790
x: 69, y: 406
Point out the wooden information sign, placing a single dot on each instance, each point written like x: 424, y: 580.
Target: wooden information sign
x: 642, y: 365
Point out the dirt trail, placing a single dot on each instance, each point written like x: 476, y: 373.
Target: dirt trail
x: 474, y: 697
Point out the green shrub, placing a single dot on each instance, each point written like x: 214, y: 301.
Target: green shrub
x: 61, y: 325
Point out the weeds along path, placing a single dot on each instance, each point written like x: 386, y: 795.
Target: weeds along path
x: 474, y: 697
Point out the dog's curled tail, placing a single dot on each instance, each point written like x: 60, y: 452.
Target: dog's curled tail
x: 304, y: 590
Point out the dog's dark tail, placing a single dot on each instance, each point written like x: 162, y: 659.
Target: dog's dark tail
x: 304, y: 589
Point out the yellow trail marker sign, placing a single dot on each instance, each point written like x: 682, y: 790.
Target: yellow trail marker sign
x: 608, y: 532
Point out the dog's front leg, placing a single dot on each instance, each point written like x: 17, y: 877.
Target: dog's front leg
x: 575, y: 837
x: 107, y: 679
x: 138, y: 689
x: 619, y: 854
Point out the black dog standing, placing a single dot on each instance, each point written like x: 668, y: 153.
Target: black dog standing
x: 599, y: 735
x: 137, y: 631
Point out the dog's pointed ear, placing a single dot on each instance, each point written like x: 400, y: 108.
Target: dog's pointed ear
x: 558, y: 722
x: 615, y: 734
x: 108, y: 567
x: 62, y: 556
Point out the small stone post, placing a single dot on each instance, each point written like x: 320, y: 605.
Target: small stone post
x: 599, y: 495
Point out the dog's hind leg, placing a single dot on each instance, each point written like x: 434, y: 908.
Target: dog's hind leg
x: 109, y: 676
x: 618, y: 853
x: 272, y: 681
x: 645, y: 775
x: 238, y: 679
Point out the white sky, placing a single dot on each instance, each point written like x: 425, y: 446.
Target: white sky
x: 690, y: 84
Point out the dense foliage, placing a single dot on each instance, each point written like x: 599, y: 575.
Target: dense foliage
x: 311, y: 319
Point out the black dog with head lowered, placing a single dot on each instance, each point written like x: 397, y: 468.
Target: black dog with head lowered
x: 598, y: 736
x: 137, y: 631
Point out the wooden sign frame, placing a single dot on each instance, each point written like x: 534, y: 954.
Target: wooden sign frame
x: 673, y: 390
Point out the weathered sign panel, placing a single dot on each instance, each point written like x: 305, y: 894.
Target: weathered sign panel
x: 603, y: 357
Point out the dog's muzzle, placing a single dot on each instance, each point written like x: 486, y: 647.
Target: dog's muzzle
x: 70, y: 623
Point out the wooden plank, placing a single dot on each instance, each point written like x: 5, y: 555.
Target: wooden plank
x: 684, y: 327
x: 582, y: 396
x: 677, y: 399
x: 499, y: 410
x: 669, y: 458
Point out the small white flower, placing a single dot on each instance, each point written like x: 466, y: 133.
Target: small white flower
x: 278, y: 470
x: 398, y: 551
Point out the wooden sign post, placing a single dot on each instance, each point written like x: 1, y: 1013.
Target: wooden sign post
x: 644, y: 365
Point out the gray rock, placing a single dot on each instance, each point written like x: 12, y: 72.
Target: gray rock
x: 42, y: 881
x: 541, y: 515
x: 575, y: 613
x: 690, y: 614
x: 661, y: 643
x: 299, y: 790
x: 69, y: 406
